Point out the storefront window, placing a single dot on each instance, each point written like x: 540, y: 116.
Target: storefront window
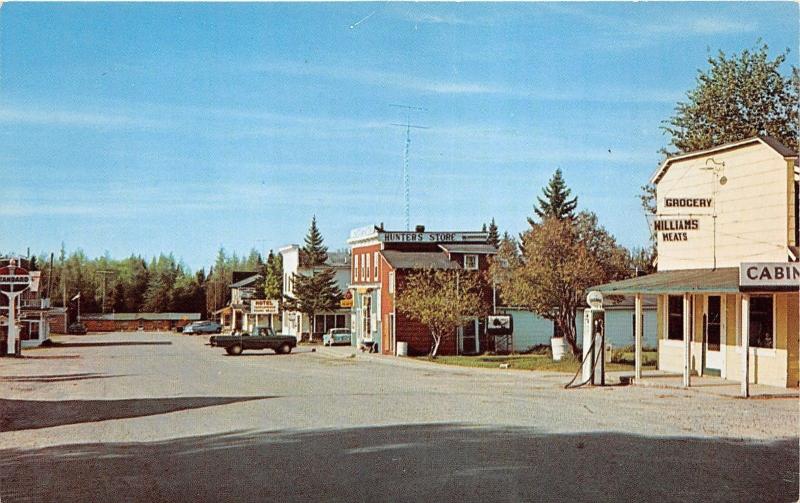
x: 761, y: 322
x: 367, y: 310
x: 675, y: 318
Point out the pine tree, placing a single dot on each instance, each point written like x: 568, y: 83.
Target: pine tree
x: 494, y: 235
x: 556, y: 203
x: 273, y: 279
x: 314, y: 253
x: 315, y: 293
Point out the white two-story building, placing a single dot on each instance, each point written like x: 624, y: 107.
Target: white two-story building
x: 297, y: 324
x: 728, y: 272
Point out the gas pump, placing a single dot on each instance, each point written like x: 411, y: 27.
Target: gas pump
x: 593, y: 369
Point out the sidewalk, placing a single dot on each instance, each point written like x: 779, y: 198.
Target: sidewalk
x: 651, y: 378
x: 714, y: 385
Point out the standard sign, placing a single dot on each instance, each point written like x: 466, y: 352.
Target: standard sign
x: 12, y: 277
x: 263, y: 306
x: 765, y: 276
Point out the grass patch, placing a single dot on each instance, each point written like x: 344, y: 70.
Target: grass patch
x: 534, y: 362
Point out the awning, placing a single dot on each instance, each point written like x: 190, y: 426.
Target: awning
x: 722, y: 280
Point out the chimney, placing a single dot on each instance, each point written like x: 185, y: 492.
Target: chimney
x: 419, y: 228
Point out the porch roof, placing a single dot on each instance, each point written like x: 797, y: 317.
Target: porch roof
x: 721, y: 280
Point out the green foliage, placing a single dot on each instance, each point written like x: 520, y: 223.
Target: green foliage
x: 314, y: 253
x: 737, y: 97
x: 556, y: 203
x: 442, y: 300
x: 314, y: 293
x: 131, y: 284
x: 273, y: 276
x: 494, y: 234
x: 561, y: 258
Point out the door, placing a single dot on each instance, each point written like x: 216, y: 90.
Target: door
x: 713, y: 331
x: 468, y: 341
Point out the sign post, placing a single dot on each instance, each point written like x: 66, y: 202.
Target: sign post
x: 13, y: 281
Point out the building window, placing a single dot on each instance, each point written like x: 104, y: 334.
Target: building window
x: 391, y: 282
x: 354, y: 267
x: 375, y: 260
x: 675, y: 318
x: 361, y: 275
x: 471, y: 262
x: 761, y: 322
x: 367, y: 312
x: 369, y: 269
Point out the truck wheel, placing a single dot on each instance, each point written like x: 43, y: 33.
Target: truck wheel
x: 286, y: 348
x: 234, y: 350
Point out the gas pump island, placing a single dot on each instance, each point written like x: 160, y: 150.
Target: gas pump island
x: 13, y: 281
x: 593, y: 368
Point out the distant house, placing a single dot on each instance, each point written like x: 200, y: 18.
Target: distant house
x: 130, y: 322
x: 297, y: 324
x: 531, y: 330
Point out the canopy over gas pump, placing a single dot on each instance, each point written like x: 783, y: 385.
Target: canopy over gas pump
x: 592, y: 369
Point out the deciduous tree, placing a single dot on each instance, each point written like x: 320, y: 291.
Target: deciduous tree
x: 442, y: 300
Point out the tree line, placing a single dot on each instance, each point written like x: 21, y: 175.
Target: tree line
x: 161, y: 284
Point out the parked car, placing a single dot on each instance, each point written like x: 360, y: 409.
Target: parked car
x: 337, y: 336
x: 202, y: 327
x: 263, y: 338
x: 76, y: 328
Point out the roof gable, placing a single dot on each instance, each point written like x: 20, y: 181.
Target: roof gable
x: 767, y: 141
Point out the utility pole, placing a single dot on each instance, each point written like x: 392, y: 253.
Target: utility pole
x: 106, y: 274
x: 406, y: 177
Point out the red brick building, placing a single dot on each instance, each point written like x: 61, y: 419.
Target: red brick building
x: 130, y: 322
x: 381, y: 260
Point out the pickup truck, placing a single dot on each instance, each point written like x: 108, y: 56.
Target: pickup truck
x: 264, y: 338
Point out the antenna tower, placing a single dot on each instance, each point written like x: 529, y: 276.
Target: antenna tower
x: 406, y: 177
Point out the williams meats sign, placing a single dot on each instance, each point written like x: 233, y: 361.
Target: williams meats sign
x: 769, y: 276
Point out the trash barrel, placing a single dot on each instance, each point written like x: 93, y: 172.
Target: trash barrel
x: 402, y: 349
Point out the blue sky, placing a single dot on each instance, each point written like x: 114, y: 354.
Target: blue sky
x: 142, y: 128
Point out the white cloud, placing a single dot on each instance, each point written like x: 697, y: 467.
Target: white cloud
x: 92, y: 119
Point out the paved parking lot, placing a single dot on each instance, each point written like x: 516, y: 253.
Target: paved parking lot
x: 161, y: 417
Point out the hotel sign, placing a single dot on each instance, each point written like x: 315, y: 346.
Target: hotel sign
x: 434, y: 237
x: 263, y: 306
x: 769, y: 276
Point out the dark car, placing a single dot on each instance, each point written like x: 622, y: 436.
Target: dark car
x: 76, y: 328
x: 202, y: 327
x: 264, y: 338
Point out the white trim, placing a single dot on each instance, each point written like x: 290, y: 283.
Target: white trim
x: 471, y: 256
x: 760, y: 352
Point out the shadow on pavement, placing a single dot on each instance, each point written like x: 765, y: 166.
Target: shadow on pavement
x: 58, y: 377
x: 407, y: 463
x: 102, y: 344
x: 34, y: 414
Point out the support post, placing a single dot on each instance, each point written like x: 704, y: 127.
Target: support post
x: 637, y: 324
x: 687, y: 357
x: 745, y: 345
x: 12, y: 322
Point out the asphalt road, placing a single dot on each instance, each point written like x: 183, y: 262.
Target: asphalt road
x: 160, y: 417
